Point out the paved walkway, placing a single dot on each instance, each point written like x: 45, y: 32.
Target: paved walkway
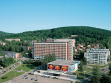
x: 89, y: 66
x: 10, y: 69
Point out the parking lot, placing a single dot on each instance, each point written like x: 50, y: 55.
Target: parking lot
x: 27, y: 78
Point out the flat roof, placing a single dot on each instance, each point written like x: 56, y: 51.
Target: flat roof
x: 64, y: 62
x: 48, y: 42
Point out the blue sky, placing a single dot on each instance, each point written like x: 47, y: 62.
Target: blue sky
x: 17, y: 16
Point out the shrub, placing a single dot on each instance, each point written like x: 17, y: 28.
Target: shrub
x: 4, y: 77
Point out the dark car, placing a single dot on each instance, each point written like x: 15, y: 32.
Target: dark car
x: 10, y: 68
x: 36, y: 80
x: 32, y: 78
x: 42, y: 76
x: 45, y: 76
x: 26, y: 78
x: 25, y: 75
x: 48, y: 76
x: 54, y: 77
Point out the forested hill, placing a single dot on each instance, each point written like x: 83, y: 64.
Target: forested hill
x: 63, y: 32
x: 4, y: 33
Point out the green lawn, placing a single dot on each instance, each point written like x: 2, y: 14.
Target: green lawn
x: 25, y: 67
x: 10, y: 76
x: 81, y: 75
x: 18, y: 60
x: 103, y: 66
x: 88, y: 69
x: 100, y: 66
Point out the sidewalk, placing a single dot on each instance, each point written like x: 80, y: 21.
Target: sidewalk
x: 11, y: 69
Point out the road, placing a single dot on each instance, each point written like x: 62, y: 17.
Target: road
x: 105, y: 69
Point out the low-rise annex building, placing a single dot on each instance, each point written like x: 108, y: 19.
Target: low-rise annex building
x: 61, y: 68
x: 11, y: 54
x: 69, y: 66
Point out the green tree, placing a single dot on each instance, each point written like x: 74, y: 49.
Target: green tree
x: 23, y: 53
x: 84, y: 61
x: 30, y: 53
x: 110, y: 68
x: 5, y: 62
x: 47, y: 59
x: 106, y: 79
x: 81, y: 66
x: 11, y: 60
x: 17, y: 49
x: 0, y: 62
x: 81, y: 55
x: 22, y: 48
x: 96, y: 74
x: 2, y: 54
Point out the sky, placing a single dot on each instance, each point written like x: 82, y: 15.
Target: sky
x: 18, y: 16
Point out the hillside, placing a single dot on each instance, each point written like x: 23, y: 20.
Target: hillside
x: 4, y: 33
x: 63, y: 32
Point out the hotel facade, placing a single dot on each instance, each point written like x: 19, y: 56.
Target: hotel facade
x: 62, y: 50
x: 97, y: 56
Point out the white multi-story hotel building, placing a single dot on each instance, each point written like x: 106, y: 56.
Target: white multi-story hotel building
x: 97, y: 56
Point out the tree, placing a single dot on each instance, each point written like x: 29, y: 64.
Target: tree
x: 81, y: 66
x: 110, y: 68
x: 5, y: 62
x: 23, y: 53
x: 0, y: 61
x: 101, y: 45
x: 81, y: 55
x: 2, y: 54
x: 47, y: 59
x: 22, y: 48
x: 17, y: 48
x: 11, y: 60
x: 53, y: 57
x: 84, y: 61
x: 96, y: 74
x: 30, y: 53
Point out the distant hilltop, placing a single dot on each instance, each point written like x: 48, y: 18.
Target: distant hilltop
x: 61, y: 32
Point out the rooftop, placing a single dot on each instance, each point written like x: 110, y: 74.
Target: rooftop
x: 64, y: 62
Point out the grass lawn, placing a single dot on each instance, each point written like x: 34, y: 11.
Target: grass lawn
x: 88, y: 69
x: 18, y: 60
x: 103, y: 66
x: 25, y: 67
x: 81, y: 75
x: 10, y: 76
x: 100, y: 66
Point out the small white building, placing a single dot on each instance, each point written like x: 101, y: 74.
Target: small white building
x: 97, y: 56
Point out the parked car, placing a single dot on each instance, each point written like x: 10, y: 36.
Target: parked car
x: 32, y: 78
x: 54, y: 77
x: 26, y: 78
x: 10, y: 68
x: 48, y: 76
x: 36, y: 80
x: 23, y: 78
x: 42, y: 76
x: 25, y: 75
